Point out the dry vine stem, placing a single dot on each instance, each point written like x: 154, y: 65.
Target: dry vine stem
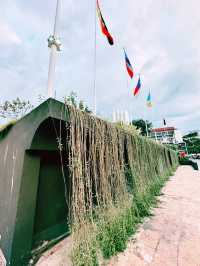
x: 111, y: 168
x: 99, y: 154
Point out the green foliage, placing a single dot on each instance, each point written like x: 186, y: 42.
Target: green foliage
x: 85, y: 255
x: 85, y: 248
x: 144, y: 201
x: 15, y: 109
x: 72, y: 100
x: 172, y: 146
x: 193, y: 142
x: 193, y: 145
x: 142, y: 207
x: 191, y: 135
x: 142, y: 125
x: 114, y: 232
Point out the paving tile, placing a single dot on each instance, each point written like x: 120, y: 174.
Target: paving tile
x: 172, y: 236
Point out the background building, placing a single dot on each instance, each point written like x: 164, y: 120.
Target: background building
x: 121, y: 116
x: 166, y: 135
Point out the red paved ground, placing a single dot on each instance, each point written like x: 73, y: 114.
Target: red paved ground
x: 172, y: 236
x: 59, y: 255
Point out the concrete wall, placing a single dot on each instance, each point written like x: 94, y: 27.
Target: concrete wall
x: 17, y: 183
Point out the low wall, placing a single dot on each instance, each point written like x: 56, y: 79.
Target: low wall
x: 101, y: 153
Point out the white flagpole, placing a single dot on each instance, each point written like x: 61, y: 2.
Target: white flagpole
x: 54, y: 44
x: 95, y: 60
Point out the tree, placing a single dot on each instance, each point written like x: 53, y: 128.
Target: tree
x: 142, y: 124
x: 41, y: 98
x: 87, y: 110
x: 72, y: 99
x: 191, y: 135
x: 15, y: 109
x: 193, y: 144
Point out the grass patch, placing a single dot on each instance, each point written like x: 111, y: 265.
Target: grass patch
x: 114, y: 231
x: 84, y: 246
x: 113, y: 226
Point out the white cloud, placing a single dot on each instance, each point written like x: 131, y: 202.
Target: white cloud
x: 7, y: 35
x: 162, y: 43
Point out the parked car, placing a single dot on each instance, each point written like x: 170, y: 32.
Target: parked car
x: 196, y: 156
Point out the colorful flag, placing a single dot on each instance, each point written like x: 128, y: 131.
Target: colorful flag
x: 128, y: 65
x: 136, y: 91
x: 149, y: 103
x: 104, y: 29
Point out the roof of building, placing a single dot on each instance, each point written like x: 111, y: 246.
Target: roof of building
x: 163, y: 129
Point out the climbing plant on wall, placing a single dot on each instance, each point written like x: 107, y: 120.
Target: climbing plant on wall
x: 113, y: 176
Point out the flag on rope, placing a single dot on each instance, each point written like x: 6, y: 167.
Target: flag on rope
x: 104, y: 29
x: 149, y: 102
x: 137, y: 88
x: 128, y: 65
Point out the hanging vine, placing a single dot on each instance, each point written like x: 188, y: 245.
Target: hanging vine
x: 100, y: 156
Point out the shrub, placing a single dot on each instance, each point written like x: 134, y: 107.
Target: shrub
x: 114, y: 231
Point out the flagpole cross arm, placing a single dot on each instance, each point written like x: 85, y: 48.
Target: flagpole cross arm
x: 52, y: 40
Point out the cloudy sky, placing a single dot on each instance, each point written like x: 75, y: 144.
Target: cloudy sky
x: 162, y: 39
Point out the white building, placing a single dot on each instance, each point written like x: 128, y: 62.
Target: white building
x: 166, y: 135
